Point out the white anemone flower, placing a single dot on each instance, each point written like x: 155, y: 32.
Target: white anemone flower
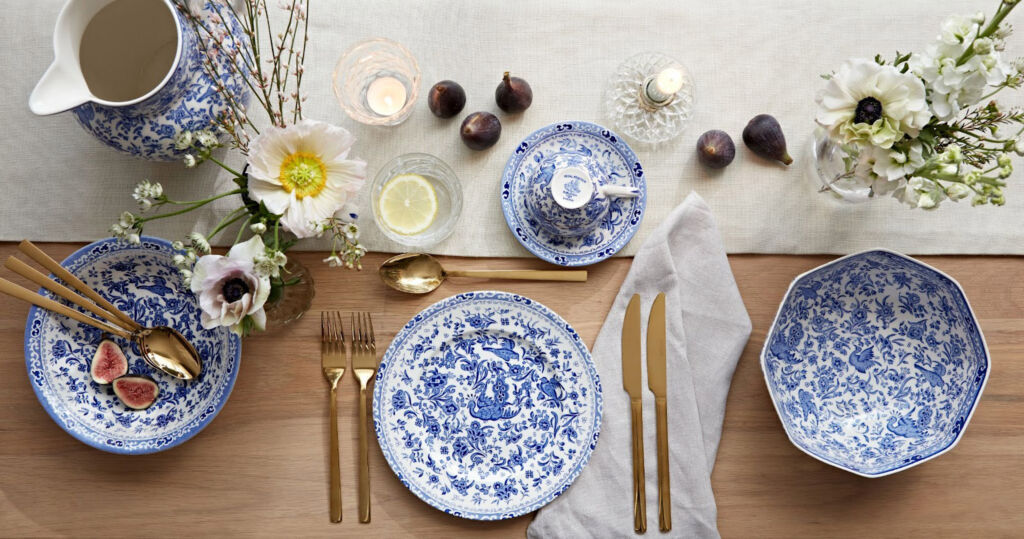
x: 230, y: 289
x: 865, y: 102
x: 302, y: 173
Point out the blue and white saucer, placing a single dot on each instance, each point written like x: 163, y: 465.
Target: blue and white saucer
x: 487, y: 405
x: 620, y: 166
x: 142, y: 281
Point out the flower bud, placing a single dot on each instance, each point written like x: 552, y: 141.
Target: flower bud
x: 958, y: 191
x: 258, y: 228
x: 982, y: 45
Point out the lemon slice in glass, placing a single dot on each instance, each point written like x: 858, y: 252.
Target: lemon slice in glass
x: 408, y: 204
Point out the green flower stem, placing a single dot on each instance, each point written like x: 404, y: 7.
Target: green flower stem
x: 194, y: 206
x: 1004, y: 9
x: 225, y: 167
x: 986, y: 139
x: 227, y: 221
x: 245, y: 225
x: 198, y: 203
x: 277, y: 240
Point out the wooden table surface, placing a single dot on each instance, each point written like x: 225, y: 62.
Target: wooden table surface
x: 261, y: 467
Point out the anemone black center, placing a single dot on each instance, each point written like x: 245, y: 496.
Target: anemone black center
x: 869, y: 110
x: 234, y: 289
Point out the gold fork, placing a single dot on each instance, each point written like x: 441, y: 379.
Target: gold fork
x: 333, y: 361
x: 364, y: 363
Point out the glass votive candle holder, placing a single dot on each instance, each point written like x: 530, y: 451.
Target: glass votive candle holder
x: 377, y: 82
x: 421, y: 172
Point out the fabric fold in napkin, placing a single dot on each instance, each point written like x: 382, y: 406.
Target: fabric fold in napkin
x: 707, y: 327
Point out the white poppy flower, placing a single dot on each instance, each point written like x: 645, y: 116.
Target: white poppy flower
x: 302, y: 173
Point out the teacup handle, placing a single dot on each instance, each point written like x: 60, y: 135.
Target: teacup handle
x: 619, y: 191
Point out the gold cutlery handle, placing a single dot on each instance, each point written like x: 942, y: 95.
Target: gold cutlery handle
x: 335, y: 458
x: 15, y: 291
x: 664, y: 488
x: 364, y: 458
x: 524, y: 275
x: 49, y: 263
x: 26, y: 271
x: 639, y: 490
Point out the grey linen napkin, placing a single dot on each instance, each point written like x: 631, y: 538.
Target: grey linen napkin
x: 707, y: 328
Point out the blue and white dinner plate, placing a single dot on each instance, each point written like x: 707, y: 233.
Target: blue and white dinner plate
x: 142, y: 281
x: 487, y: 405
x: 621, y: 166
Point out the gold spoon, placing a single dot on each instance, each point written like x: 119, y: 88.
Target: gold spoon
x: 162, y: 347
x: 418, y: 273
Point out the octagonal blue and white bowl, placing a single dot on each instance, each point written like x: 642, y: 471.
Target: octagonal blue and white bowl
x: 875, y: 363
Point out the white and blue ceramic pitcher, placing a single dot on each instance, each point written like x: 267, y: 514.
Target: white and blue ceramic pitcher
x: 132, y: 73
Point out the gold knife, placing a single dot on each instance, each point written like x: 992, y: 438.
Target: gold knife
x: 656, y: 352
x: 631, y: 375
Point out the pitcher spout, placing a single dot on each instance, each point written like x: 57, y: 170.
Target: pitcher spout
x: 59, y: 89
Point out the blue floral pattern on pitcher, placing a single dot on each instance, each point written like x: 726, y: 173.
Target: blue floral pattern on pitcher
x: 143, y: 282
x: 487, y: 405
x: 187, y: 102
x: 875, y: 363
x: 618, y: 165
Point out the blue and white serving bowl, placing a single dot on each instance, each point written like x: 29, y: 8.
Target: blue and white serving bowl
x: 142, y: 281
x: 604, y: 158
x: 487, y: 405
x: 875, y: 363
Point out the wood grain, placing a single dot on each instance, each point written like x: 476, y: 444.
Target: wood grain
x: 260, y: 467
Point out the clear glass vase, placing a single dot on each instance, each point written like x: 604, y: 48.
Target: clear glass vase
x: 838, y: 169
x: 288, y: 303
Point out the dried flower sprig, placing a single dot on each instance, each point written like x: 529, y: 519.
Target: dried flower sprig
x: 271, y: 64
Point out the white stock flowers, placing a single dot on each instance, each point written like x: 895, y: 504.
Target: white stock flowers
x: 922, y: 127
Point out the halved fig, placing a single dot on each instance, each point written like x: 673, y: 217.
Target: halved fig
x: 136, y: 392
x: 108, y: 363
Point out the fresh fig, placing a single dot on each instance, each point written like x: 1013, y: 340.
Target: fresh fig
x: 763, y: 135
x: 513, y: 94
x: 136, y: 392
x: 108, y: 363
x: 715, y: 149
x: 480, y: 130
x: 446, y: 99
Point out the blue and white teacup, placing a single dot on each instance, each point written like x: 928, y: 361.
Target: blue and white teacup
x: 571, y: 194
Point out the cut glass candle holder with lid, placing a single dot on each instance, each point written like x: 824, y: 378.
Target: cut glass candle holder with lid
x: 377, y: 82
x: 650, y: 98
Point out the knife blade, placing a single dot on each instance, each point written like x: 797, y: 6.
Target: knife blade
x: 631, y: 375
x: 656, y: 374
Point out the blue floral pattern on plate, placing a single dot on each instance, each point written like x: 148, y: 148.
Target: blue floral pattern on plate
x: 875, y: 363
x: 487, y: 405
x: 620, y: 166
x: 188, y: 101
x: 143, y: 282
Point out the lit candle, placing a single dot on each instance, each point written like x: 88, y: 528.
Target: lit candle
x: 386, y: 95
x: 664, y: 85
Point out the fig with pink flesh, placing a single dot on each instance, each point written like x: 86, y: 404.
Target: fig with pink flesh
x: 136, y: 392
x: 108, y: 363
